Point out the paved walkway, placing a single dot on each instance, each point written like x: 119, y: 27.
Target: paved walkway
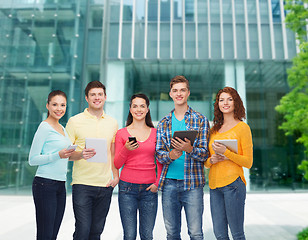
x: 269, y: 216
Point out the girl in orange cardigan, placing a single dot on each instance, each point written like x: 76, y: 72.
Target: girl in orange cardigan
x: 226, y: 178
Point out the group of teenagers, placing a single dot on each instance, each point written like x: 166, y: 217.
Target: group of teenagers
x: 147, y: 165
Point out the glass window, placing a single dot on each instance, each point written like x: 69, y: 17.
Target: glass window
x: 165, y: 10
x: 127, y: 10
x: 126, y: 40
x: 276, y: 10
x: 177, y: 9
x: 291, y: 43
x: 139, y: 40
x: 241, y: 41
x: 113, y: 40
x: 190, y: 37
x: 189, y: 10
x: 177, y: 41
x: 140, y: 10
x: 152, y: 10
x: 203, y: 42
x: 165, y: 40
x: 239, y: 11
x: 253, y: 41
x: 228, y: 41
x: 214, y: 11
x: 152, y: 40
x: 215, y: 41
x: 265, y: 85
x: 264, y: 15
x: 45, y: 44
x: 94, y: 47
x: 202, y: 11
x: 227, y: 11
x: 252, y: 11
x: 96, y: 16
x: 278, y: 41
x: 114, y: 11
x: 153, y: 79
x: 266, y: 42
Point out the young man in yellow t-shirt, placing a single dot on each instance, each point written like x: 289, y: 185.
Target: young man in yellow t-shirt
x: 92, y: 182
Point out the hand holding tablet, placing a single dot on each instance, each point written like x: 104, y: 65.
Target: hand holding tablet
x: 190, y: 135
x: 231, y: 144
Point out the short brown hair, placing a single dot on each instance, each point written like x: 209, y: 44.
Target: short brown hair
x: 94, y: 84
x: 179, y: 79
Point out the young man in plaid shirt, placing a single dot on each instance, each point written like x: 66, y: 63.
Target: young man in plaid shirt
x: 182, y: 179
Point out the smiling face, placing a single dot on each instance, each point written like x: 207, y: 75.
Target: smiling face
x: 179, y: 93
x: 96, y: 98
x: 56, y: 107
x: 139, y: 109
x: 226, y: 103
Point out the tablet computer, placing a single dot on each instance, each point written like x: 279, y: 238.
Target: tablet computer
x: 100, y: 146
x: 231, y: 144
x: 189, y: 134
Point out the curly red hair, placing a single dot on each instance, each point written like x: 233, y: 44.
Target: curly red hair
x: 239, y: 109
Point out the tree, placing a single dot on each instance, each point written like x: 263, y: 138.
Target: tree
x: 294, y: 105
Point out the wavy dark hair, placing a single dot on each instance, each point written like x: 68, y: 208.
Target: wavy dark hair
x: 148, y: 119
x: 53, y: 94
x: 239, y: 109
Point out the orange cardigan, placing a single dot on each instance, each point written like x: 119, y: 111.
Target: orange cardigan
x: 225, y: 172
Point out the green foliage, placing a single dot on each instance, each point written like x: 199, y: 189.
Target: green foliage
x: 304, y: 167
x: 296, y: 17
x: 303, y: 235
x: 294, y: 105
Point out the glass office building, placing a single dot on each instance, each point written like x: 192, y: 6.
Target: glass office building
x: 138, y: 46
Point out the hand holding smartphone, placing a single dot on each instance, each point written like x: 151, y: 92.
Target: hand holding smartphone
x: 72, y: 147
x: 132, y: 140
x: 132, y: 143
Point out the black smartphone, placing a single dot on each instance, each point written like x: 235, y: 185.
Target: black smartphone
x: 132, y: 139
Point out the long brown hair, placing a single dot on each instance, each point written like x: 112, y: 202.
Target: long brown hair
x: 148, y: 119
x: 239, y: 109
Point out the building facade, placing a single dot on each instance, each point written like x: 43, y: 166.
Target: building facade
x: 138, y: 46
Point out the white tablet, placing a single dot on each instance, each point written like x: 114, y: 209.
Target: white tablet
x: 231, y: 144
x: 100, y: 146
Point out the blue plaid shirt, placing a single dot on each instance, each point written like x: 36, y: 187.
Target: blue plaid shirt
x: 193, y: 165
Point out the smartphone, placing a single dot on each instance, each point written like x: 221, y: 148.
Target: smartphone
x: 132, y: 139
x: 72, y: 147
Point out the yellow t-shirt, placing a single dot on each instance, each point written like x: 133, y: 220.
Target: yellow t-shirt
x: 85, y: 125
x: 225, y: 172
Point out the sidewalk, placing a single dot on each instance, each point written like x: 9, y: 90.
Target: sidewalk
x: 269, y: 216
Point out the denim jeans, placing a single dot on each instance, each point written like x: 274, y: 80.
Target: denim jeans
x: 174, y: 198
x: 49, y: 198
x: 134, y: 197
x: 91, y: 205
x: 227, y: 208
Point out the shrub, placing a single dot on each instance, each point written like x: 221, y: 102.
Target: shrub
x: 303, y: 235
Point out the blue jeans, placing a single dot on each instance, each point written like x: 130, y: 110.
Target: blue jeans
x: 134, y: 197
x: 91, y: 205
x: 227, y: 208
x: 49, y: 198
x: 173, y: 199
